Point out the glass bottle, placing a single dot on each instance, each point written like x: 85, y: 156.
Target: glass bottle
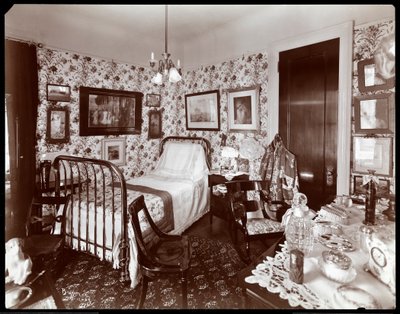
x: 299, y: 229
x: 370, y: 201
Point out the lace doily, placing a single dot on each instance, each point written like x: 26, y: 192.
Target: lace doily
x: 273, y: 274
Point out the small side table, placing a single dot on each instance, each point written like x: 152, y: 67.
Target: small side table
x: 219, y: 204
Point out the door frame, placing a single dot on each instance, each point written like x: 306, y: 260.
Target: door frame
x: 344, y: 32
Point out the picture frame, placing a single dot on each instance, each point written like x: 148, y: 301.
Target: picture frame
x: 109, y: 112
x: 155, y: 124
x: 243, y: 109
x: 374, y: 114
x: 57, y: 92
x: 57, y: 125
x: 113, y: 150
x: 203, y: 110
x: 368, y: 78
x: 382, y: 189
x: 153, y: 100
x: 373, y: 153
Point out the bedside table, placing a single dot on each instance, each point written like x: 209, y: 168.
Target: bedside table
x: 219, y: 203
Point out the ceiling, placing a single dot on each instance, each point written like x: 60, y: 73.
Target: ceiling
x: 197, y: 34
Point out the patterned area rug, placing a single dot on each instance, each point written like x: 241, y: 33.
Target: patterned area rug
x: 88, y: 283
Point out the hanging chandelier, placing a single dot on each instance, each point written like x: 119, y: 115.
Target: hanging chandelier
x: 166, y: 68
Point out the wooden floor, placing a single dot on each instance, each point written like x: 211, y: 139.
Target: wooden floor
x: 218, y: 230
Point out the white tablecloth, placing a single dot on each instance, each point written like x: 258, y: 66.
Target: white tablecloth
x: 317, y: 291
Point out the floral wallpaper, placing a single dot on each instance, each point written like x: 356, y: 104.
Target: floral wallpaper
x: 65, y: 68
x: 75, y: 70
x: 367, y: 38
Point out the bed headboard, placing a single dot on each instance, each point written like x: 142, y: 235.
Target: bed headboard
x: 205, y: 143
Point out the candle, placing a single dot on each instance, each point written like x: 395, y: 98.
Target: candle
x: 152, y: 56
x: 179, y: 63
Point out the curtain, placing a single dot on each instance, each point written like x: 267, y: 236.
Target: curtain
x: 21, y: 88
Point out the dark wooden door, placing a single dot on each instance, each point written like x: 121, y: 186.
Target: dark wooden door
x: 308, y: 111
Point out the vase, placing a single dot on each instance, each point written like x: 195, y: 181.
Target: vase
x: 370, y: 201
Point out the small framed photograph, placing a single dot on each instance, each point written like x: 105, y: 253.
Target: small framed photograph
x: 153, y: 100
x: 109, y: 112
x: 57, y: 125
x: 373, y: 153
x: 374, y: 114
x: 155, y: 127
x: 113, y: 150
x: 368, y: 78
x: 58, y: 92
x: 382, y: 189
x: 202, y: 111
x: 243, y: 109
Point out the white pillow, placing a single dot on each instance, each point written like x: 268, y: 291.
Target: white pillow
x: 182, y: 160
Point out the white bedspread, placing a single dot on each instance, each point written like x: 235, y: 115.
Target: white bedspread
x: 189, y: 198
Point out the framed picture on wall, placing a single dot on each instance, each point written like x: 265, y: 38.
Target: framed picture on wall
x: 113, y: 149
x: 155, y: 126
x: 382, y: 189
x: 109, y: 112
x: 243, y: 109
x: 202, y: 111
x: 373, y: 153
x: 368, y: 78
x: 58, y: 92
x: 57, y: 125
x: 374, y: 113
x: 153, y: 100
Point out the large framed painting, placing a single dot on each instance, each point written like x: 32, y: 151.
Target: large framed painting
x: 57, y: 125
x: 243, y: 109
x: 202, y: 111
x: 109, y: 112
x: 373, y: 153
x: 374, y: 114
x: 368, y: 78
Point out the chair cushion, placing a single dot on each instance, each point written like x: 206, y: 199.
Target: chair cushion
x: 262, y: 226
x: 172, y: 252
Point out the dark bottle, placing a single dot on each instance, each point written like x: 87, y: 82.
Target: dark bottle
x: 296, y: 260
x: 370, y: 201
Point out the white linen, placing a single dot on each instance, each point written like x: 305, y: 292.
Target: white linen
x: 189, y: 198
x: 183, y: 161
x: 317, y: 291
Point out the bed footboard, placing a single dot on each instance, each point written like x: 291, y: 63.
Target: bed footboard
x: 97, y: 220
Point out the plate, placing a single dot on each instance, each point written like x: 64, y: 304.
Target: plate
x: 351, y: 297
x: 17, y: 295
x: 336, y: 242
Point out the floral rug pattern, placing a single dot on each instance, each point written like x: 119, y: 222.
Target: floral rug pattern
x: 88, y: 283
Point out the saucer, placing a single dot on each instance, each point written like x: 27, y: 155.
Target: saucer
x: 17, y: 295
